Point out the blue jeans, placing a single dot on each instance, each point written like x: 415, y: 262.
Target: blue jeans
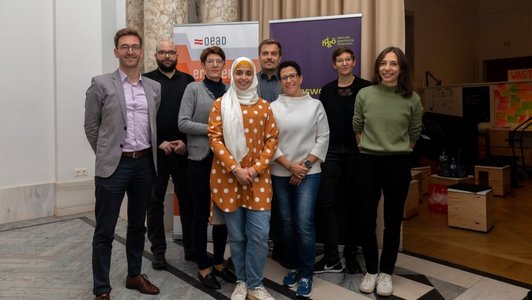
x: 248, y: 241
x: 296, y: 203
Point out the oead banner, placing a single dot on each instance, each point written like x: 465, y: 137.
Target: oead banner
x: 236, y: 39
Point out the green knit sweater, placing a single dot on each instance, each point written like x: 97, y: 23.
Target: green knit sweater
x: 388, y: 123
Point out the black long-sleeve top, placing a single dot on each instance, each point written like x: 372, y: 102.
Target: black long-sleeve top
x: 339, y: 104
x: 172, y: 90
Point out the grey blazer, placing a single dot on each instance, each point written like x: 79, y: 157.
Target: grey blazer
x: 105, y: 119
x: 194, y: 117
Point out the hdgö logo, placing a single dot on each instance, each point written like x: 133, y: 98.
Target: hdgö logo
x: 328, y: 42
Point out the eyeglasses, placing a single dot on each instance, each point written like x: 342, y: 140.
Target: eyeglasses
x: 125, y: 48
x: 170, y: 53
x: 291, y: 76
x: 212, y: 61
x: 346, y: 60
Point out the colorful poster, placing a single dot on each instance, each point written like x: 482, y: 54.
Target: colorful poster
x: 512, y: 103
x: 311, y: 41
x: 236, y: 39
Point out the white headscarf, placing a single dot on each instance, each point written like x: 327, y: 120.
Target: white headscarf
x: 232, y: 123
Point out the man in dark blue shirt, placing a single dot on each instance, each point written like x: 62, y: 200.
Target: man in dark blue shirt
x: 270, y: 52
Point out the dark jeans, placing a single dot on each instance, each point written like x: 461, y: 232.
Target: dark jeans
x: 200, y: 192
x: 338, y: 173
x: 391, y: 175
x: 133, y: 176
x: 175, y: 166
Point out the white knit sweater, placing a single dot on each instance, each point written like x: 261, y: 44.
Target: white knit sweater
x: 303, y: 129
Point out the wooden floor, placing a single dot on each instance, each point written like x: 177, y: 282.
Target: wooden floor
x: 505, y: 251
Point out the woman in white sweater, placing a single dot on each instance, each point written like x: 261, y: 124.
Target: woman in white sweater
x: 303, y: 142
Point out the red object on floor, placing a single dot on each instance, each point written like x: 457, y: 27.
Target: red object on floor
x: 438, y: 197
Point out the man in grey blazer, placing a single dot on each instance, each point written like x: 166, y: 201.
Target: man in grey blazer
x: 120, y: 125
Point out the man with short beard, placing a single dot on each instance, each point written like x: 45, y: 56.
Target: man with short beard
x: 270, y: 52
x: 172, y: 160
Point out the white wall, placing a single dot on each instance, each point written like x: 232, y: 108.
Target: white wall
x: 78, y: 58
x: 27, y: 85
x: 454, y: 37
x: 50, y: 50
x: 505, y: 28
x: 445, y: 40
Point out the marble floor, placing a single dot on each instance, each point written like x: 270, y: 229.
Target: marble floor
x: 50, y: 258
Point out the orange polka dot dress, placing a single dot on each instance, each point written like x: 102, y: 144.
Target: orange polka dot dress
x: 261, y: 135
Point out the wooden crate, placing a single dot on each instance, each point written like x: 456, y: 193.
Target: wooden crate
x: 436, y: 179
x: 470, y: 210
x: 425, y: 178
x: 496, y: 177
x: 412, y: 200
x: 418, y: 175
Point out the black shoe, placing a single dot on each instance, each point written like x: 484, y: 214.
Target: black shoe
x: 323, y: 267
x: 159, y: 262
x: 210, y: 281
x: 230, y: 264
x: 277, y: 253
x: 351, y: 265
x: 190, y: 257
x: 225, y: 274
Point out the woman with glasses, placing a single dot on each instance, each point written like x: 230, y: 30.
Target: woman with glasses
x: 303, y: 141
x: 387, y: 123
x: 193, y: 118
x: 243, y: 136
x: 339, y: 168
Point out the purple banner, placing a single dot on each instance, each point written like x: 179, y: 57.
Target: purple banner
x: 311, y: 41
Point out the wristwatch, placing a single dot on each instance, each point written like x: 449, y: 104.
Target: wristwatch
x: 307, y: 163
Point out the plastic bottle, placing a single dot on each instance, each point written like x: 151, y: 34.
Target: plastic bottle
x: 452, y: 168
x: 459, y: 167
x: 444, y: 164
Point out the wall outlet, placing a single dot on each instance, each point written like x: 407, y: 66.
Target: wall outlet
x: 80, y: 172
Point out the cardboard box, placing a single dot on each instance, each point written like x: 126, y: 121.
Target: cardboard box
x: 425, y: 178
x: 436, y: 179
x: 411, y: 207
x: 496, y: 177
x: 470, y: 210
x: 418, y: 175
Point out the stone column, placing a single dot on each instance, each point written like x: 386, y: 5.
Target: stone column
x: 160, y: 16
x: 218, y: 11
x: 135, y: 14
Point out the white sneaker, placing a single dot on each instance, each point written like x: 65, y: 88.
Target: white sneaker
x: 384, y: 284
x: 259, y: 293
x: 367, y: 285
x: 240, y: 292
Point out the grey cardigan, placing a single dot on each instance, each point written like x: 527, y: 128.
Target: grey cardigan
x: 193, y: 119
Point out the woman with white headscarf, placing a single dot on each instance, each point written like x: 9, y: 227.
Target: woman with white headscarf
x: 243, y: 137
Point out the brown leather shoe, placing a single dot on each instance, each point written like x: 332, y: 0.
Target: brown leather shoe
x: 104, y: 296
x: 141, y: 284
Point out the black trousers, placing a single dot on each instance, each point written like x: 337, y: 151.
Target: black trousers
x: 389, y: 174
x: 174, y: 166
x: 200, y: 191
x: 338, y: 173
x: 133, y: 176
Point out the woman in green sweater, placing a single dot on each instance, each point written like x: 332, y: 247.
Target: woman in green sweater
x: 387, y: 123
